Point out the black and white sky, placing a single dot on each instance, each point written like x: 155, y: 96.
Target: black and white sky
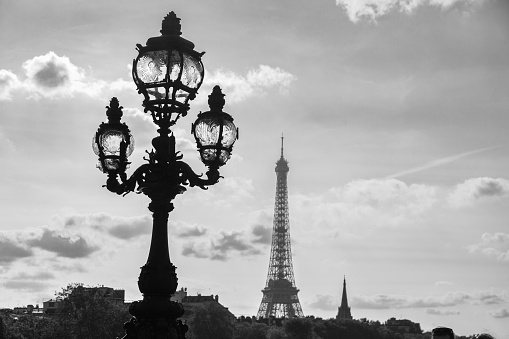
x: 395, y: 116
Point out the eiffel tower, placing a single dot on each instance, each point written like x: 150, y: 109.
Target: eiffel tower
x: 280, y: 294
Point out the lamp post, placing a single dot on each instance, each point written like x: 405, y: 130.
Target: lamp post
x: 168, y: 72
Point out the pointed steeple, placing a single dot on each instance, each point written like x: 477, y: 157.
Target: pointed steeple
x: 344, y: 299
x: 344, y: 310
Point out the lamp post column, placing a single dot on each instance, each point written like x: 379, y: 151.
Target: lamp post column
x: 156, y: 315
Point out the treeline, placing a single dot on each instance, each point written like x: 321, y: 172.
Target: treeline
x: 209, y: 323
x: 81, y: 314
x: 86, y: 314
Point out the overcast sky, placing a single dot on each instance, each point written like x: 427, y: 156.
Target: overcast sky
x: 395, y: 116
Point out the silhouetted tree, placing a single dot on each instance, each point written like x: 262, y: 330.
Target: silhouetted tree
x: 246, y: 330
x: 85, y: 313
x: 298, y: 328
x: 275, y: 332
x: 210, y: 321
x: 29, y: 326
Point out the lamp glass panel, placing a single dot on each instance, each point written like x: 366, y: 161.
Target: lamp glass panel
x: 110, y: 141
x: 193, y: 72
x: 95, y: 147
x: 130, y: 147
x: 181, y: 95
x: 229, y: 133
x: 207, y: 132
x: 151, y: 66
x: 174, y: 65
x: 112, y: 164
x: 208, y: 155
x: 224, y: 156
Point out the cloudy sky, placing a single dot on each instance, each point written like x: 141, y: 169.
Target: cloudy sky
x: 395, y: 116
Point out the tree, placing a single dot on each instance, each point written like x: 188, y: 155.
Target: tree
x: 275, y: 332
x: 85, y: 313
x: 210, y: 321
x: 298, y: 328
x: 28, y: 326
x: 246, y: 330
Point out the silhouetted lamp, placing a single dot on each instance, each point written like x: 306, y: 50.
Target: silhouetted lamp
x: 113, y: 142
x: 214, y: 132
x: 168, y: 72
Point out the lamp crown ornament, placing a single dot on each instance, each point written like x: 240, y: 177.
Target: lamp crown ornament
x: 171, y: 25
x: 114, y: 111
x: 216, y: 99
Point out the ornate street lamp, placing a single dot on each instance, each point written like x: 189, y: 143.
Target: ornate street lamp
x: 214, y: 132
x: 168, y: 72
x: 113, y: 142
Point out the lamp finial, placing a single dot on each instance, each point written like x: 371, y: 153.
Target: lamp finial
x: 216, y: 99
x: 171, y: 25
x: 114, y: 111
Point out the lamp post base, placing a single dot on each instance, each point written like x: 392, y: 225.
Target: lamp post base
x: 141, y: 327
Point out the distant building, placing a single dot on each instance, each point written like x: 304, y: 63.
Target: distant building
x: 50, y: 306
x: 19, y: 310
x: 344, y: 309
x: 112, y: 295
x: 408, y: 328
x: 191, y: 302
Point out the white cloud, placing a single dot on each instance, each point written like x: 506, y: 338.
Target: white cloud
x: 50, y: 75
x: 221, y: 246
x: 117, y: 227
x: 257, y: 82
x: 501, y: 313
x: 479, y: 189
x: 324, y: 302
x: 11, y: 251
x: 183, y: 230
x: 493, y: 245
x: 72, y: 237
x: 371, y: 9
x: 366, y: 203
x: 263, y: 234
x: 53, y: 76
x: 381, y: 301
x: 433, y: 311
x: 229, y: 191
x: 8, y: 83
x: 438, y: 162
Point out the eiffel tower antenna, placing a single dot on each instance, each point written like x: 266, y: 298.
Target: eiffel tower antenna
x: 280, y: 293
x: 282, y: 139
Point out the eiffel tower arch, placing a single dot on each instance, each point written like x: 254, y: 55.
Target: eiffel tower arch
x: 280, y: 293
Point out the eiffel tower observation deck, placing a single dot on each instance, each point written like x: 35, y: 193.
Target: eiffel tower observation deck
x: 280, y: 293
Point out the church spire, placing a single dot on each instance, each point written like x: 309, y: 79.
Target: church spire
x: 344, y: 310
x: 344, y: 299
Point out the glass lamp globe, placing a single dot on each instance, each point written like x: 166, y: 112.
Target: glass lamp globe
x: 214, y: 132
x: 113, y: 142
x: 168, y: 71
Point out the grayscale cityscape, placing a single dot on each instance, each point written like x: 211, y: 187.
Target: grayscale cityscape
x: 247, y: 170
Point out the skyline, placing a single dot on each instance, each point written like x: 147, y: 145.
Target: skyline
x: 394, y: 114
